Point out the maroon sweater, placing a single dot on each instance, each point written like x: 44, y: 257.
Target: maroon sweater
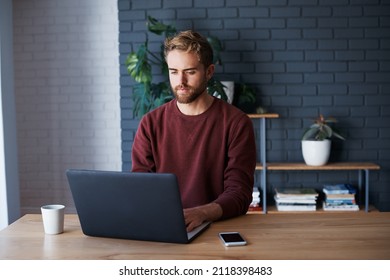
x: 212, y: 154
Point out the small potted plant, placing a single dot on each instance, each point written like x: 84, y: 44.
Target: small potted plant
x: 316, y: 141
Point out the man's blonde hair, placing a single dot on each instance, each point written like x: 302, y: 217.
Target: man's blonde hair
x: 190, y: 41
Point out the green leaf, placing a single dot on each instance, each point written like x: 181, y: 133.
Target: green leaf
x: 327, y: 131
x: 163, y: 64
x: 316, y: 126
x: 141, y: 97
x: 320, y: 130
x: 338, y: 135
x: 148, y: 96
x: 159, y: 28
x: 330, y: 120
x: 216, y: 88
x: 138, y: 66
x: 217, y: 48
x: 246, y: 94
x: 310, y: 133
x: 161, y: 90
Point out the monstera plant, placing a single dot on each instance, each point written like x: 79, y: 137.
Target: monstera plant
x: 148, y: 94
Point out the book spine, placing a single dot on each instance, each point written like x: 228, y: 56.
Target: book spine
x: 340, y: 201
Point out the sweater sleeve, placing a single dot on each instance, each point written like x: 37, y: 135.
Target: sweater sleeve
x: 141, y: 155
x: 239, y: 171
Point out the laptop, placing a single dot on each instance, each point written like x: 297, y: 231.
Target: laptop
x: 130, y: 205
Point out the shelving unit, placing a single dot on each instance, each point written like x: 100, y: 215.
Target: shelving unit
x: 264, y: 166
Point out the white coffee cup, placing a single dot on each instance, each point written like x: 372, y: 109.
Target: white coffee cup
x: 53, y: 218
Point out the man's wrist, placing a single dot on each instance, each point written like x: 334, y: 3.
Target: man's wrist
x: 212, y: 211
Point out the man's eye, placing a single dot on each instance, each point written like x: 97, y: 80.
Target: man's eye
x: 191, y: 72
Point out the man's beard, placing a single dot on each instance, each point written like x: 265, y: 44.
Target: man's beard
x: 193, y: 94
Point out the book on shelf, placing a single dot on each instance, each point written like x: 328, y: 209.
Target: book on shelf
x: 340, y: 197
x: 295, y: 199
x: 340, y: 207
x: 340, y: 201
x: 295, y: 207
x: 308, y: 193
x: 339, y: 189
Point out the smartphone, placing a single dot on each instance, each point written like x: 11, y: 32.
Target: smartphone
x: 232, y: 238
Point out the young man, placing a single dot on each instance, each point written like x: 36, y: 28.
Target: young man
x: 208, y: 143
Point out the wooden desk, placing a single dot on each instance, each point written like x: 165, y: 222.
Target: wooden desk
x: 273, y: 237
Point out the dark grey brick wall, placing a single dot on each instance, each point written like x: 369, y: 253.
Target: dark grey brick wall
x: 303, y: 57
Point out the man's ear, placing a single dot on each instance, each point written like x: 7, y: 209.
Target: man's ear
x: 210, y: 71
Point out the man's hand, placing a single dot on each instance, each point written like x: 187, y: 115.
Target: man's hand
x: 197, y: 215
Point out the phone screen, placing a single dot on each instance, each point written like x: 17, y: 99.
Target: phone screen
x: 232, y: 238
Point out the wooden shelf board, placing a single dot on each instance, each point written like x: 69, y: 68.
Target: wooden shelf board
x: 329, y: 166
x: 267, y: 116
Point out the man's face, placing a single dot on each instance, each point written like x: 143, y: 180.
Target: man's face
x: 188, y: 77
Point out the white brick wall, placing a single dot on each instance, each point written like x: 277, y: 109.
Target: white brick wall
x: 67, y: 94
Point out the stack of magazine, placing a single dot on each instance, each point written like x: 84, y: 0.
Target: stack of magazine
x: 296, y: 199
x: 340, y: 197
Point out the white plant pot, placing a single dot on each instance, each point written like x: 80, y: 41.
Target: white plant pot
x: 316, y: 153
x: 229, y: 90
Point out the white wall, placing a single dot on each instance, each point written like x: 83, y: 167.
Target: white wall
x: 9, y: 183
x: 67, y: 94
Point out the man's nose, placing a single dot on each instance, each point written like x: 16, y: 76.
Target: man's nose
x: 183, y: 78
